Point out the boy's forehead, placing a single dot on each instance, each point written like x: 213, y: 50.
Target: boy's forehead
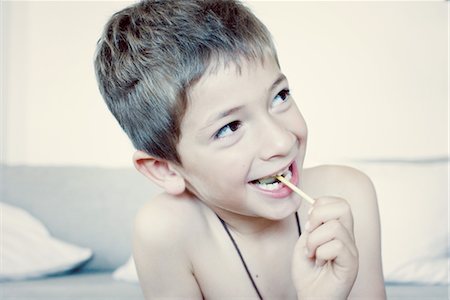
x: 231, y: 71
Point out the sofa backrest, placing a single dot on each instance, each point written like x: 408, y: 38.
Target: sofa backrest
x: 87, y: 206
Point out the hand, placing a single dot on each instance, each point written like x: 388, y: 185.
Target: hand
x: 325, y: 261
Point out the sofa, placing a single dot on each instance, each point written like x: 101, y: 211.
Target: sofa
x: 93, y: 208
x: 88, y: 207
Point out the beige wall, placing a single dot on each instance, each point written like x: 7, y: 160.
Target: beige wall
x: 369, y: 77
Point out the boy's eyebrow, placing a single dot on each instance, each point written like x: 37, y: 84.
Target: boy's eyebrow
x: 280, y: 78
x: 221, y: 115
x: 228, y: 112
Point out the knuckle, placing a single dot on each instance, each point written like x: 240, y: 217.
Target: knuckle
x: 315, y: 218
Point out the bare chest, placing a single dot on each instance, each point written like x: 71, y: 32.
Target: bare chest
x: 228, y: 271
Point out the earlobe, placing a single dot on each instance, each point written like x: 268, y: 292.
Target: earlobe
x: 160, y: 172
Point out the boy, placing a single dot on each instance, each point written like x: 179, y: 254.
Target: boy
x: 197, y: 87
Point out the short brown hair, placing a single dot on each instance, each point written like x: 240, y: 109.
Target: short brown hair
x: 151, y: 52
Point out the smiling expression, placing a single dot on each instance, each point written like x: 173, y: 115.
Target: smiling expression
x: 242, y: 127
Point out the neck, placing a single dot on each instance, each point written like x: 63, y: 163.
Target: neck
x: 251, y: 226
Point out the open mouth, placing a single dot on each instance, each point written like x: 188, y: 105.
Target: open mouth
x: 271, y: 183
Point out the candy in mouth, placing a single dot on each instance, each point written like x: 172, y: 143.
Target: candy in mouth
x: 271, y: 182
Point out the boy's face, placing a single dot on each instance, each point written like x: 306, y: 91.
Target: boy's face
x: 240, y: 127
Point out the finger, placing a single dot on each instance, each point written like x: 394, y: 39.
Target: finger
x: 331, y: 230
x: 301, y: 264
x: 337, y: 252
x: 326, y: 209
x: 300, y: 258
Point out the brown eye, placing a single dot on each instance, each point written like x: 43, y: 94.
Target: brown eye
x: 227, y: 129
x: 281, y: 97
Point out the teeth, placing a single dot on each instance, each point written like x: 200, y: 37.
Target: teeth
x: 275, y: 185
x: 270, y: 186
x: 267, y: 180
x: 286, y: 173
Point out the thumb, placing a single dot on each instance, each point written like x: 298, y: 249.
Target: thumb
x: 301, y: 262
x: 300, y: 249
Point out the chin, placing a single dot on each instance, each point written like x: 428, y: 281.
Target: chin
x: 284, y: 211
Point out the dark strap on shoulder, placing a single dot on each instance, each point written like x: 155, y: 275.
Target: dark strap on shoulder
x: 240, y: 256
x: 298, y: 224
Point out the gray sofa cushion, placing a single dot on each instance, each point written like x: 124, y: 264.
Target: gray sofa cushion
x: 83, y: 286
x: 87, y: 206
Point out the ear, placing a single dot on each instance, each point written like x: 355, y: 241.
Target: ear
x: 160, y: 172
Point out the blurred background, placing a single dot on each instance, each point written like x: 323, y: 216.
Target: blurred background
x: 370, y: 78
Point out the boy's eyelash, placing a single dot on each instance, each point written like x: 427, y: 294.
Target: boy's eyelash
x: 235, y: 125
x: 281, y: 97
x: 286, y: 92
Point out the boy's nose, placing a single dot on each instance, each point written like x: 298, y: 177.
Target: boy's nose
x: 277, y: 141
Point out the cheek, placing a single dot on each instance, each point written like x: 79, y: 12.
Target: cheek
x: 216, y: 174
x: 227, y: 170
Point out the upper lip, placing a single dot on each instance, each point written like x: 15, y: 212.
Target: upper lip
x: 280, y: 171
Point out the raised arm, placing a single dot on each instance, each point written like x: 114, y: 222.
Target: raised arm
x: 342, y: 240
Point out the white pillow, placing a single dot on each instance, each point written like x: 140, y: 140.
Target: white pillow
x: 413, y: 204
x: 28, y: 250
x: 127, y: 272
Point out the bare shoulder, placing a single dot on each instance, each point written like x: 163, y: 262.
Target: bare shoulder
x: 162, y: 231
x: 353, y: 186
x: 167, y: 222
x: 166, y: 215
x: 341, y: 181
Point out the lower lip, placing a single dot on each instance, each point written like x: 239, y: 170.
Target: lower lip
x: 284, y: 191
